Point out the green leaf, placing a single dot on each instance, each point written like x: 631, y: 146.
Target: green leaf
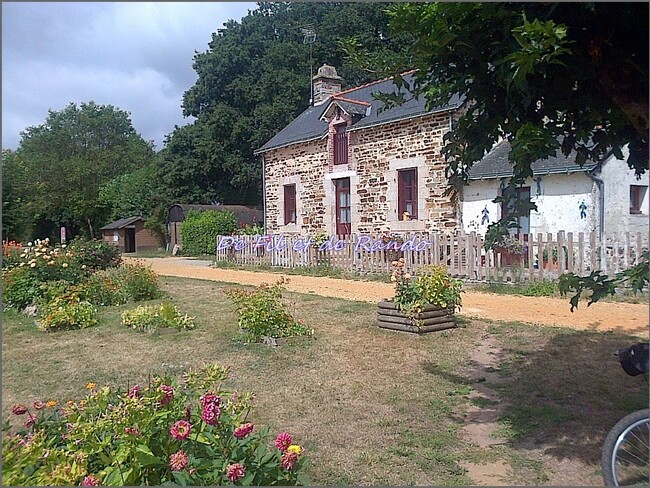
x: 145, y: 457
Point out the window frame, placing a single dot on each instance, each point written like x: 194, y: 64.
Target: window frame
x: 402, y: 187
x: 290, y: 204
x: 637, y: 195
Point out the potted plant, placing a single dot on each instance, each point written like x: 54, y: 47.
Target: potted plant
x: 422, y: 303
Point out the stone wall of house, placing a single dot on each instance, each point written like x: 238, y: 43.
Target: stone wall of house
x: 375, y: 156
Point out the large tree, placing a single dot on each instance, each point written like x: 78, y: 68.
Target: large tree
x: 546, y: 76
x: 15, y: 221
x: 253, y: 79
x: 69, y: 157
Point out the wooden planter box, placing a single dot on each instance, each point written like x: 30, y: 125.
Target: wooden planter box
x: 430, y: 319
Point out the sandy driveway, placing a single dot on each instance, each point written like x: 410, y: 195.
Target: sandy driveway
x: 632, y: 318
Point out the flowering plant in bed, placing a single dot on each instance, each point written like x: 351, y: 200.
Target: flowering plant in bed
x: 189, y: 432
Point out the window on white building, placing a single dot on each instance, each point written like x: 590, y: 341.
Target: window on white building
x: 637, y: 195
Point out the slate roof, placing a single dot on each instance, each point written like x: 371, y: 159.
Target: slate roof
x: 308, y: 125
x: 495, y: 164
x: 119, y: 224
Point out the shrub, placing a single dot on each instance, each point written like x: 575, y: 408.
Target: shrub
x: 95, y: 254
x: 250, y: 230
x: 67, y: 312
x: 139, y: 281
x: 52, y: 263
x: 11, y: 254
x: 20, y: 288
x: 105, y: 288
x: 200, y: 229
x: 190, y: 433
x: 261, y: 312
x: 152, y: 317
x: 432, y: 286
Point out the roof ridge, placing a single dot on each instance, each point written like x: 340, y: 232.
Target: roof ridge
x: 343, y: 99
x: 374, y: 82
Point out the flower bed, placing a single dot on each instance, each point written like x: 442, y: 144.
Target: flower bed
x: 191, y: 432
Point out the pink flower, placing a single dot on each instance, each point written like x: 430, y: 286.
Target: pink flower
x: 210, y: 398
x: 178, y: 461
x: 134, y: 392
x: 180, y: 430
x: 39, y: 405
x: 210, y: 414
x: 132, y: 430
x: 30, y: 421
x: 19, y: 409
x: 243, y: 430
x: 168, y: 394
x: 283, y: 441
x: 288, y: 460
x: 235, y: 472
x: 90, y: 480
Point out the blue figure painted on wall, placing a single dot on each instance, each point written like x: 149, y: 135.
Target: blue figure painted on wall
x: 538, y: 180
x: 583, y: 210
x: 485, y: 216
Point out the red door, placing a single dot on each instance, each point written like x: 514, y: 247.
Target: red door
x: 343, y: 209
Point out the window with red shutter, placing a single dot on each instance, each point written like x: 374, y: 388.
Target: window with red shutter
x: 407, y: 193
x: 341, y: 145
x: 289, y: 204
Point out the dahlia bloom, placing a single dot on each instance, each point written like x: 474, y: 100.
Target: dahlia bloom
x: 289, y: 460
x: 19, y: 409
x: 169, y: 394
x: 30, y: 421
x: 283, y: 441
x: 210, y: 414
x: 180, y: 430
x: 134, y: 392
x: 51, y: 403
x: 243, y: 430
x: 210, y: 398
x: 235, y: 472
x: 90, y: 480
x: 39, y: 405
x: 178, y: 461
x: 295, y: 448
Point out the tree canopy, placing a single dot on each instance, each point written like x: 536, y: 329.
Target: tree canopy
x: 253, y: 79
x: 64, y: 162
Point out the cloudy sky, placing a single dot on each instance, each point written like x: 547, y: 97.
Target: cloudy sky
x: 134, y: 56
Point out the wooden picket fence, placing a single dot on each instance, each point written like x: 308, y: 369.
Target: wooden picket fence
x: 544, y: 256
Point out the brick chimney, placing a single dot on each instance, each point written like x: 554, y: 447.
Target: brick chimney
x: 325, y: 83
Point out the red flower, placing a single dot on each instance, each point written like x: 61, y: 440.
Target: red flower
x: 289, y: 460
x: 178, y: 461
x: 90, y: 480
x: 243, y: 430
x: 283, y: 441
x: 19, y: 409
x: 180, y: 430
x: 39, y: 405
x: 235, y: 472
x: 135, y: 392
x: 168, y: 394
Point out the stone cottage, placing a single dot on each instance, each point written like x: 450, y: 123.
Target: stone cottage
x: 344, y: 166
x: 603, y: 197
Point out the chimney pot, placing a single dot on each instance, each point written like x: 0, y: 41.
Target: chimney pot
x: 326, y: 83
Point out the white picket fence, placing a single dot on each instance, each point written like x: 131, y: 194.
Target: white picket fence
x: 544, y: 256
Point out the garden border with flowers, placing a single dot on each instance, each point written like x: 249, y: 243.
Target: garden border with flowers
x: 188, y: 432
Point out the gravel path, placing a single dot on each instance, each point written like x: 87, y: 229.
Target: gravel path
x: 622, y: 317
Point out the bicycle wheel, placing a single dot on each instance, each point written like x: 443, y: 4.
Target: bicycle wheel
x: 626, y: 451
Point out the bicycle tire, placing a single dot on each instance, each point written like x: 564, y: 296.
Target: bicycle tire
x: 626, y: 449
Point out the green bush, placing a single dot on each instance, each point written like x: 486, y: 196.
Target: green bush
x: 20, y: 288
x: 105, y: 288
x: 193, y: 434
x: 139, y: 281
x: 94, y: 254
x: 152, y: 317
x: 261, y: 312
x: 67, y: 312
x: 200, y: 229
x: 432, y: 286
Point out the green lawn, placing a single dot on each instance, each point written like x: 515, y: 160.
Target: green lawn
x: 371, y: 406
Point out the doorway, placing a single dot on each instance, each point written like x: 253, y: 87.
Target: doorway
x: 129, y: 240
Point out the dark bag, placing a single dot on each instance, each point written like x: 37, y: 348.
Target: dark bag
x: 634, y: 359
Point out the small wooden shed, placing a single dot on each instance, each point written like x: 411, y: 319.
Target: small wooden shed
x: 245, y: 216
x: 130, y: 235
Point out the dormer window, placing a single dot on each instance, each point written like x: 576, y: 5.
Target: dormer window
x: 340, y: 145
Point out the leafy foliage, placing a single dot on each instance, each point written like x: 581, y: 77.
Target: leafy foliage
x: 200, y: 229
x: 66, y: 312
x: 140, y: 282
x: 191, y: 433
x: 262, y: 313
x: 433, y: 286
x: 152, y: 317
x: 94, y: 254
x: 20, y: 287
x: 601, y: 285
x: 66, y: 160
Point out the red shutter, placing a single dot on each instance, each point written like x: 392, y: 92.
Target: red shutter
x: 341, y: 145
x: 289, y: 204
x: 407, y: 193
